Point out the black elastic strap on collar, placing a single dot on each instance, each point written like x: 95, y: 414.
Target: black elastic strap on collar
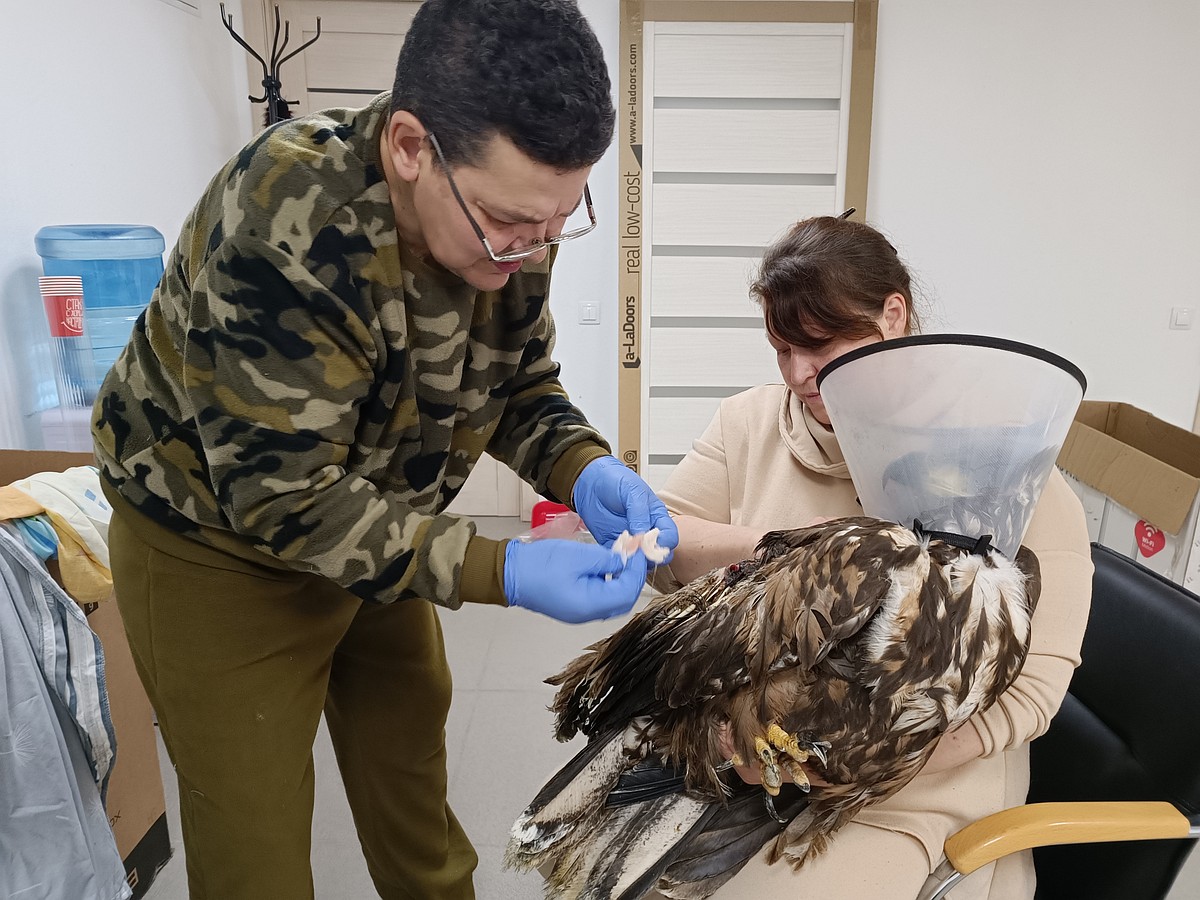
x: 980, y: 546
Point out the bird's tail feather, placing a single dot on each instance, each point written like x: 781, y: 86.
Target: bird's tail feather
x: 738, y: 830
x: 626, y: 850
x: 562, y: 807
x: 808, y: 834
x: 647, y: 780
x: 650, y: 835
x: 601, y: 831
x: 720, y: 844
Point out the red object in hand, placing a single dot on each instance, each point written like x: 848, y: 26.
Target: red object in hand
x: 544, y: 510
x: 1149, y: 539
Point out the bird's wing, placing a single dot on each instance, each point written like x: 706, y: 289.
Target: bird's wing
x: 616, y: 679
x: 683, y: 649
x: 807, y: 590
x: 812, y: 589
x: 823, y: 593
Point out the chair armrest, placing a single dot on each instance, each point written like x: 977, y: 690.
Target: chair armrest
x: 1040, y: 824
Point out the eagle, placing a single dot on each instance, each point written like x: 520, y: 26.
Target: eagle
x: 847, y: 648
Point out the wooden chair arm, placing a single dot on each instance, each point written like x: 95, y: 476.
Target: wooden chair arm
x: 1041, y: 824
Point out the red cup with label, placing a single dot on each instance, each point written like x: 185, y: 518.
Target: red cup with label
x: 62, y: 297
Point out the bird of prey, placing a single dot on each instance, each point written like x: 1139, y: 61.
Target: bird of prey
x: 848, y: 647
x: 973, y: 493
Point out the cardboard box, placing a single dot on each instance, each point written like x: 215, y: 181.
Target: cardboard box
x: 1139, y: 480
x: 135, y: 803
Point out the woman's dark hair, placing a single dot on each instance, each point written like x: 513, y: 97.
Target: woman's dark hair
x: 529, y: 70
x: 826, y: 279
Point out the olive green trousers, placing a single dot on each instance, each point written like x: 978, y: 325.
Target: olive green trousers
x: 239, y: 661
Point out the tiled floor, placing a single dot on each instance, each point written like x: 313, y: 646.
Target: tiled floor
x: 501, y: 752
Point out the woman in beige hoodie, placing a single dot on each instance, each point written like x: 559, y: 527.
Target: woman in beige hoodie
x: 769, y: 459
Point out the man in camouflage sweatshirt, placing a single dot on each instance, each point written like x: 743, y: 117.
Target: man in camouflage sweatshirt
x: 355, y: 310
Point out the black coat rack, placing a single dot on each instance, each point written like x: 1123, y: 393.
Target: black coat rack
x: 277, y: 107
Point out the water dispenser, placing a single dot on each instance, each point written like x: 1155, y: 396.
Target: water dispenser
x: 120, y: 266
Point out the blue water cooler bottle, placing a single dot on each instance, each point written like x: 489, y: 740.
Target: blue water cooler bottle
x: 120, y: 266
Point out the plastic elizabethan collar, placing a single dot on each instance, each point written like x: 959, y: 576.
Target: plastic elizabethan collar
x: 959, y: 432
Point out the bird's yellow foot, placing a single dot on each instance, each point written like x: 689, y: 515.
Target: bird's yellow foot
x: 795, y: 753
x: 792, y: 755
x: 788, y: 743
x: 772, y: 778
x: 798, y: 773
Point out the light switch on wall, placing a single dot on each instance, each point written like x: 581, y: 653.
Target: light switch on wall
x: 1181, y: 318
x: 589, y: 313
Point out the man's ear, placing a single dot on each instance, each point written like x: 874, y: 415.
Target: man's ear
x: 404, y: 139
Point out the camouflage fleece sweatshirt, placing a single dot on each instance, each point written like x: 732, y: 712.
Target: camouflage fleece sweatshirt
x: 304, y: 391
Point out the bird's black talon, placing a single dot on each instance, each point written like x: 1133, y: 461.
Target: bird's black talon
x: 819, y: 749
x: 771, y: 809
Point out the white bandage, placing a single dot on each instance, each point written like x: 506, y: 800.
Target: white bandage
x: 628, y: 544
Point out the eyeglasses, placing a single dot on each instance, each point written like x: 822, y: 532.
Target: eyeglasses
x: 539, y: 244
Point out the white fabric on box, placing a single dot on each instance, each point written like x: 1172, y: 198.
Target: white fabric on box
x: 67, y: 651
x: 55, y: 840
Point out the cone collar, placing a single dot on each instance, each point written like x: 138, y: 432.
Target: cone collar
x: 969, y: 340
x: 959, y: 432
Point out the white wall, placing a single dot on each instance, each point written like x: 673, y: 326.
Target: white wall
x: 118, y: 111
x: 1037, y: 163
x: 586, y: 270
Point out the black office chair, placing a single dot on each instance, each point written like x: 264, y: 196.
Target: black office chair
x: 1114, y: 799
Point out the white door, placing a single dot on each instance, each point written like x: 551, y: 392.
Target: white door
x: 733, y: 154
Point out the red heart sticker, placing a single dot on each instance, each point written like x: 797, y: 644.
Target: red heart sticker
x: 1149, y: 539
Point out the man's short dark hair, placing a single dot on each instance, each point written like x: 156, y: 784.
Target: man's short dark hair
x: 529, y: 70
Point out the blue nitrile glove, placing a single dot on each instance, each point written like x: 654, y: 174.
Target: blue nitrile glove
x: 611, y: 498
x: 565, y: 580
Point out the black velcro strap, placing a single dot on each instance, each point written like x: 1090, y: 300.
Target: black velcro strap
x: 646, y: 781
x: 980, y: 546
